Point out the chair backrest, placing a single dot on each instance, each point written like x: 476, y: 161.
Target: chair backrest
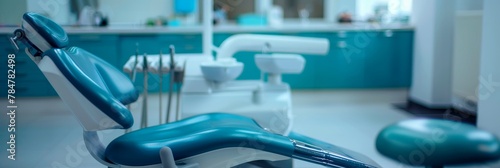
x: 94, y: 90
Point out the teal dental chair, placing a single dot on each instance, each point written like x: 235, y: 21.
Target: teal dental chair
x: 97, y: 93
x: 437, y: 143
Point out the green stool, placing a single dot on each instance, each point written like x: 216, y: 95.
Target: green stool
x: 436, y: 143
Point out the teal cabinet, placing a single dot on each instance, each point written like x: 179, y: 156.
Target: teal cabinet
x: 404, y: 53
x: 388, y: 63
x: 29, y: 80
x: 344, y: 66
x: 356, y: 59
x: 367, y: 59
x: 103, y: 46
x: 381, y: 62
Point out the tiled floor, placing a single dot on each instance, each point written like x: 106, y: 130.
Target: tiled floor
x: 48, y: 136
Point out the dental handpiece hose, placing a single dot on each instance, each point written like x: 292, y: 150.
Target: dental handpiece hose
x: 133, y: 74
x: 179, y: 77
x: 144, y: 122
x: 161, y: 84
x: 136, y: 61
x: 171, y: 83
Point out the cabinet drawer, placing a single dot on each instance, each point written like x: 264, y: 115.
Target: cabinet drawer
x: 180, y: 37
x: 25, y: 69
x: 187, y: 48
x: 29, y: 88
x: 92, y: 38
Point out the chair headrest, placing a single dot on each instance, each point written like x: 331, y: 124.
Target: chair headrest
x: 43, y: 33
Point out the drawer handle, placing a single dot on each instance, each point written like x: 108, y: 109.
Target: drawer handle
x: 188, y: 47
x: 342, y: 34
x: 388, y: 33
x: 341, y: 44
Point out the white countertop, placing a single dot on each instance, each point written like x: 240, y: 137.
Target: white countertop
x: 313, y: 27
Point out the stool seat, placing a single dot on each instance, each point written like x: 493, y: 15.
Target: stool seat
x: 431, y: 142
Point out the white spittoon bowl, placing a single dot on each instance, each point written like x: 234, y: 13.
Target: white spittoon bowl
x: 221, y: 70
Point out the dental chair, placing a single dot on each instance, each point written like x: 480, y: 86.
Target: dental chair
x: 437, y: 143
x: 96, y: 93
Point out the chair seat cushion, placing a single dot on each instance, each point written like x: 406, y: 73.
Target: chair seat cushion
x: 430, y: 142
x: 193, y: 136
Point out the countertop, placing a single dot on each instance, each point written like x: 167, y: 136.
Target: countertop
x: 290, y: 28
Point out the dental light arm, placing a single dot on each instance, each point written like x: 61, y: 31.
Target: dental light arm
x: 273, y: 43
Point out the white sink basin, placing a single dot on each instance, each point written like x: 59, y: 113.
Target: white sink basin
x: 221, y: 71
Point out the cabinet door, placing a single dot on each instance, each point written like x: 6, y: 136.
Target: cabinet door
x: 404, y: 54
x: 183, y: 43
x: 344, y: 66
x: 381, y: 60
x: 103, y: 46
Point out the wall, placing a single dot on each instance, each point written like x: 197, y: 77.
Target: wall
x: 433, y: 52
x: 134, y: 12
x: 467, y: 54
x: 57, y: 10
x: 489, y: 88
x: 11, y: 11
x: 469, y: 4
x: 333, y: 8
x: 365, y: 8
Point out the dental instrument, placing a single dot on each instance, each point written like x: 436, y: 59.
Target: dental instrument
x: 160, y: 74
x: 179, y: 78
x: 133, y: 74
x: 171, y: 83
x: 144, y: 116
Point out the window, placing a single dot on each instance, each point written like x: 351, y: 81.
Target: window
x: 291, y: 8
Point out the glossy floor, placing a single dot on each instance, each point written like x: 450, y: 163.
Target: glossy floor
x: 47, y: 135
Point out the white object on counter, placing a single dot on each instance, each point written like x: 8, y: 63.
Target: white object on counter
x: 263, y: 6
x: 275, y: 16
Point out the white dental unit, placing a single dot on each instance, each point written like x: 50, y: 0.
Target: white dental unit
x: 209, y: 85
